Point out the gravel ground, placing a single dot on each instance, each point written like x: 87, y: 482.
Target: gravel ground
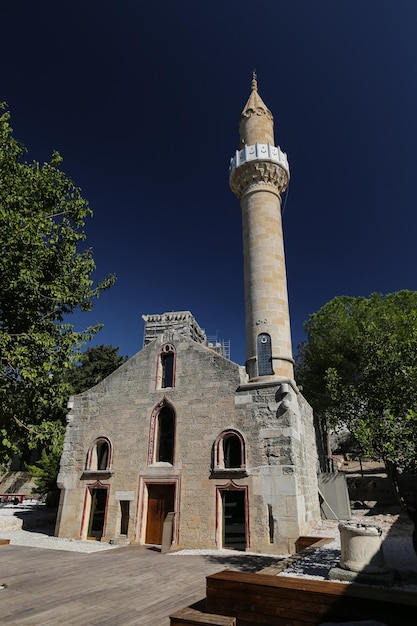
x: 38, y: 518
x: 40, y: 540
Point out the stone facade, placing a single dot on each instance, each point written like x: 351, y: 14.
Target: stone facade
x: 211, y: 399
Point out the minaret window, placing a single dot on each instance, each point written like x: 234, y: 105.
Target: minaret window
x: 166, y: 367
x: 265, y: 355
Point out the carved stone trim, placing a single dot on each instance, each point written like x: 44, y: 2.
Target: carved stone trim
x: 97, y: 474
x: 258, y: 173
x: 259, y: 110
x: 236, y: 472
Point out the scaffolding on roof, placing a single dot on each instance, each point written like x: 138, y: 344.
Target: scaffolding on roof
x: 220, y: 346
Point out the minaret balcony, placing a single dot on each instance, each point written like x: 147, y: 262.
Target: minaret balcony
x: 259, y: 152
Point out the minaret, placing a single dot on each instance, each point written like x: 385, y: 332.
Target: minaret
x: 259, y: 173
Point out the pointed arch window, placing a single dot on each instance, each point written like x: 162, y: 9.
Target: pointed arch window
x: 162, y: 434
x: 265, y: 355
x: 165, y: 375
x: 99, y: 455
x: 164, y: 451
x: 229, y: 452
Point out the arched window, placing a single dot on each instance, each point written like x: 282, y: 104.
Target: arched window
x: 265, y: 355
x: 162, y: 434
x: 165, y: 436
x: 232, y: 451
x: 165, y: 374
x: 99, y: 455
x: 229, y: 451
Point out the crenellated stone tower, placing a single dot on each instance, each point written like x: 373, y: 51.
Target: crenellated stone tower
x: 259, y: 173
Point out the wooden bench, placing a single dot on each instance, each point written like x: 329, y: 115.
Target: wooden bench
x: 4, y: 542
x: 284, y: 601
x: 193, y: 617
x: 304, y: 542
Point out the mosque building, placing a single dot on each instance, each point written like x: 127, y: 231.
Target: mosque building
x: 179, y: 434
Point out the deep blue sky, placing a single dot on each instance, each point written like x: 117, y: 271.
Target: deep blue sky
x: 143, y: 99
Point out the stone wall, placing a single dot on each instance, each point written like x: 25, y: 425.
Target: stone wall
x: 210, y: 396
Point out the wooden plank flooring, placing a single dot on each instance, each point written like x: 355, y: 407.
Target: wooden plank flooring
x: 124, y: 586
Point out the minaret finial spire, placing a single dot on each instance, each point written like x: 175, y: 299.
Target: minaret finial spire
x: 254, y: 81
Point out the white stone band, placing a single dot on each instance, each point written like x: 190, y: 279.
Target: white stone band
x: 259, y: 152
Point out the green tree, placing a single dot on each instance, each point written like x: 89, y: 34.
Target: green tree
x: 94, y: 365
x: 50, y: 435
x: 358, y: 367
x: 44, y: 277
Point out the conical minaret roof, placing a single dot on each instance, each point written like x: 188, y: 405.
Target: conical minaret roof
x: 255, y: 105
x: 256, y: 123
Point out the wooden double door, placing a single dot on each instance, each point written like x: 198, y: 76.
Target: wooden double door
x: 161, y: 501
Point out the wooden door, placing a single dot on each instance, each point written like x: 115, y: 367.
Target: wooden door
x: 160, y: 502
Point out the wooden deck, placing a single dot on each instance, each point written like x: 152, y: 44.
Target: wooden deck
x: 131, y: 585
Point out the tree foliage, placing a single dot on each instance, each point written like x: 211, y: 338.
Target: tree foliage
x: 45, y: 471
x: 358, y: 366
x: 94, y: 365
x: 44, y: 277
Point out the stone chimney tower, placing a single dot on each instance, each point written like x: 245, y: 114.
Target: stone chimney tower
x: 259, y: 173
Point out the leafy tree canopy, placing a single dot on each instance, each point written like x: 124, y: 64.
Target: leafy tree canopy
x: 358, y: 366
x: 44, y: 277
x: 94, y: 365
x: 45, y: 471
